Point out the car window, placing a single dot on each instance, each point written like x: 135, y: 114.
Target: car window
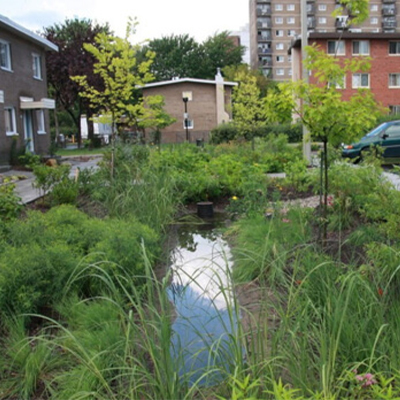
x: 393, y: 130
x: 377, y: 130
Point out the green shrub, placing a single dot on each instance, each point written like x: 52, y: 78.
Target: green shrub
x: 10, y: 203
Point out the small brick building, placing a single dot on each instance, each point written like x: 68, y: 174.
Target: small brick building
x: 383, y: 78
x: 208, y: 104
x: 24, y: 117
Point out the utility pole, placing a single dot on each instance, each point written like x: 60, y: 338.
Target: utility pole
x: 305, y: 76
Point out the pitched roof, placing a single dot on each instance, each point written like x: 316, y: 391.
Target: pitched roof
x: 19, y: 30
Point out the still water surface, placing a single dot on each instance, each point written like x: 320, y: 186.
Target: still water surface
x: 201, y: 291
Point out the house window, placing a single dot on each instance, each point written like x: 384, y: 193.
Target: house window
x: 279, y: 46
x: 40, y: 122
x: 360, y: 47
x: 339, y: 83
x: 187, y: 95
x: 290, y: 7
x: 394, y: 80
x: 290, y: 20
x: 279, y: 20
x: 360, y: 81
x: 322, y: 7
x: 336, y: 47
x: 280, y: 59
x: 37, y: 66
x: 9, y: 116
x: 279, y: 33
x: 278, y: 7
x: 374, y: 7
x: 5, y: 55
x: 322, y: 20
x: 394, y: 109
x: 280, y: 72
x: 394, y: 47
x: 189, y: 123
x: 374, y: 21
x: 290, y: 72
x: 291, y: 32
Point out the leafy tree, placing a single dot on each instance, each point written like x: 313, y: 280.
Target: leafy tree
x: 72, y: 60
x: 320, y: 105
x: 159, y: 119
x: 220, y: 51
x: 181, y: 56
x: 176, y: 56
x: 231, y: 73
x: 122, y: 76
x: 247, y: 105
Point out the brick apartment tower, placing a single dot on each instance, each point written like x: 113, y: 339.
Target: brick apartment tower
x: 274, y: 23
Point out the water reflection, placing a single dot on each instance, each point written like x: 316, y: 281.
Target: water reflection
x: 202, y: 293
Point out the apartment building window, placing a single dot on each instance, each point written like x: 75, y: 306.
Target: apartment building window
x: 394, y: 80
x: 279, y: 20
x: 279, y: 46
x: 394, y: 47
x: 279, y: 33
x: 290, y: 7
x: 280, y: 72
x: 374, y: 21
x: 290, y: 72
x: 278, y: 7
x: 5, y: 55
x: 360, y: 81
x: 394, y: 109
x: 339, y: 83
x: 37, y: 66
x: 41, y: 129
x: 289, y: 58
x: 280, y: 59
x: 374, y: 7
x: 290, y: 20
x: 360, y: 47
x: 291, y: 32
x: 336, y: 47
x: 9, y: 116
x: 322, y: 7
x: 322, y: 20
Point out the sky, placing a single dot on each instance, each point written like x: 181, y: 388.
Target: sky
x: 200, y: 19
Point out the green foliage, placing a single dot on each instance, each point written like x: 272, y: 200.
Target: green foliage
x: 10, y: 203
x: 297, y: 175
x: 44, y: 250
x: 47, y: 176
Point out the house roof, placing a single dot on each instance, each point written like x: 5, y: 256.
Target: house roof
x: 187, y: 80
x: 19, y: 30
x: 296, y: 43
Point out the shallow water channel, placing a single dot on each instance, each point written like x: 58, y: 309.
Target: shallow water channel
x: 201, y: 291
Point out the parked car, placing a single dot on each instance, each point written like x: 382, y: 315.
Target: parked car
x: 386, y: 135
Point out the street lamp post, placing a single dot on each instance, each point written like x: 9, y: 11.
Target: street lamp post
x: 185, y: 116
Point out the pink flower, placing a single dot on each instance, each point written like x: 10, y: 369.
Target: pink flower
x: 285, y: 220
x: 366, y: 379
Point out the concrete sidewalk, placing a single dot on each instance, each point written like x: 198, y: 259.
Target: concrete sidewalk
x: 24, y: 187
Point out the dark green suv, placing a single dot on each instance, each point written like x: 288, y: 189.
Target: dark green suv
x: 386, y: 135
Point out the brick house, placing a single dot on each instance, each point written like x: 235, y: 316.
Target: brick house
x: 24, y: 115
x: 383, y: 78
x: 208, y: 104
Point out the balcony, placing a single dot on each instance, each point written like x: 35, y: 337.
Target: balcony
x: 389, y: 23
x: 389, y: 10
x: 265, y: 61
x: 311, y: 9
x: 341, y: 22
x: 264, y: 38
x: 264, y: 10
x: 311, y: 22
x: 264, y: 50
x: 264, y: 23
